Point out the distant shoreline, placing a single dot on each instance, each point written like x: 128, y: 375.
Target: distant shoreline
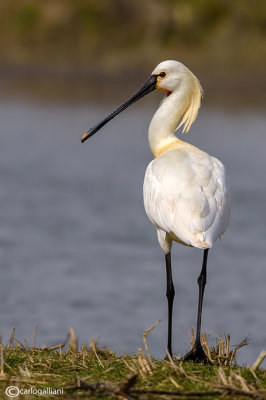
x: 68, y: 84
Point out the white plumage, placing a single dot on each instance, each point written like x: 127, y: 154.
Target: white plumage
x: 186, y: 197
x: 185, y: 189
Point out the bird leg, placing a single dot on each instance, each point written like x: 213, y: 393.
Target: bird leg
x: 197, y: 353
x: 170, y: 294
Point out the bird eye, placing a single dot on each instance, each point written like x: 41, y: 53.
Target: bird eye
x: 162, y: 74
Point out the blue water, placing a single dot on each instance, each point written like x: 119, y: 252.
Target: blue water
x: 77, y: 250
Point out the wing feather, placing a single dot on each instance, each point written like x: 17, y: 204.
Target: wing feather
x: 186, y: 195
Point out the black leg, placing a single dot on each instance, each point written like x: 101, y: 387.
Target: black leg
x: 197, y: 353
x: 202, y: 279
x: 170, y: 294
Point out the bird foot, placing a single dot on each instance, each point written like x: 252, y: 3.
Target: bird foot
x: 198, y: 355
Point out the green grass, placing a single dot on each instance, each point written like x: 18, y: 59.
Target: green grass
x: 93, y: 373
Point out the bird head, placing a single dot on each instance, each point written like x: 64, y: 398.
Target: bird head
x: 173, y: 76
x: 169, y: 76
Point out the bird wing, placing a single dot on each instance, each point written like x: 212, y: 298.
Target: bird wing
x: 186, y: 195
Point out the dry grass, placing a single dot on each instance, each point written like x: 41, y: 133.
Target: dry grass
x: 92, y: 373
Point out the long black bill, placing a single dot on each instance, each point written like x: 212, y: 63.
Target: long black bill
x: 148, y: 87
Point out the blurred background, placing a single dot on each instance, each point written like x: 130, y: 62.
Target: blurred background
x: 76, y: 248
x: 66, y: 43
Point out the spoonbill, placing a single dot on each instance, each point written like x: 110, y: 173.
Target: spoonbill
x: 186, y: 194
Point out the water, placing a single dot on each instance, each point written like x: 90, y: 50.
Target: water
x: 76, y: 248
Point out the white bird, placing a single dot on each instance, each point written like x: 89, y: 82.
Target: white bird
x: 186, y: 194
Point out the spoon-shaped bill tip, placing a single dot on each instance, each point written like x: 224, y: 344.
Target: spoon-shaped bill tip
x: 85, y: 136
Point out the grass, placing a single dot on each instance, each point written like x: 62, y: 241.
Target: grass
x: 93, y: 373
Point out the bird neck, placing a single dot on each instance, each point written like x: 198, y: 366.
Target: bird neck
x: 164, y: 122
